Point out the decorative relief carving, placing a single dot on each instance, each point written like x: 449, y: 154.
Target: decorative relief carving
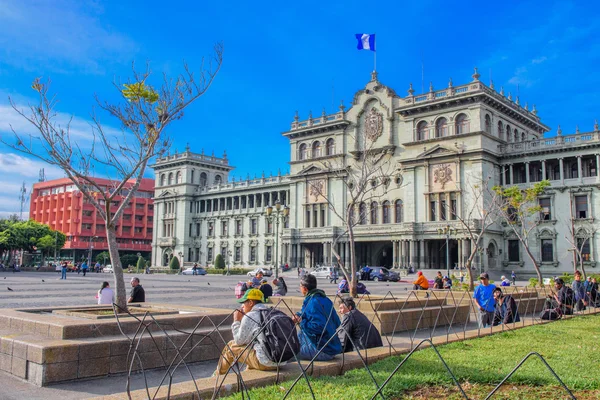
x: 373, y: 124
x: 317, y: 191
x: 442, y: 174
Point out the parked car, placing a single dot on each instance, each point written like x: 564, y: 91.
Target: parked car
x: 108, y: 268
x: 190, y: 271
x: 323, y: 272
x: 266, y: 272
x: 383, y: 274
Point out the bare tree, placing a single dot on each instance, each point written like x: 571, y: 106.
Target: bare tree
x: 478, y: 215
x: 578, y: 238
x: 144, y: 113
x: 365, y: 179
x: 520, y: 210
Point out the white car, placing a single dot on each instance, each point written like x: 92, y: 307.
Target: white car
x: 190, y: 271
x: 108, y: 268
x: 265, y: 272
x: 322, y: 272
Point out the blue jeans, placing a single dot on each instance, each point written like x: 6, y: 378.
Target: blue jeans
x: 63, y: 273
x: 308, y: 350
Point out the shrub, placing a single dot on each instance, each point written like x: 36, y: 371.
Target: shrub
x: 127, y: 260
x: 219, y: 262
x: 141, y: 264
x: 533, y: 282
x: 174, y: 263
x: 232, y: 271
x: 568, y: 278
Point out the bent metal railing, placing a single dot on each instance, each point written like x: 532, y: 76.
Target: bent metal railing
x: 419, y: 315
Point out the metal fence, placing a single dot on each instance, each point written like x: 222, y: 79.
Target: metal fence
x: 406, y: 320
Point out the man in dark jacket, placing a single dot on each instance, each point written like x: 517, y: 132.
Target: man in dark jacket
x: 356, y: 328
x: 507, y: 310
x: 318, y: 323
x: 563, y: 300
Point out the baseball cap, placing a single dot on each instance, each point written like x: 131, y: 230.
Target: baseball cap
x: 484, y: 276
x: 252, y: 294
x: 419, y: 273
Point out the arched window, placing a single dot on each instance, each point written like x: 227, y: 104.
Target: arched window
x: 316, y: 149
x: 218, y: 179
x: 441, y: 127
x: 162, y: 180
x: 500, y: 130
x: 302, y: 152
x: 374, y: 212
x: 462, y: 124
x: 523, y: 136
x: 508, y: 135
x: 170, y: 178
x: 516, y: 135
x: 488, y: 124
x: 192, y: 178
x: 386, y: 212
x: 362, y: 210
x: 422, y: 130
x: 330, y: 147
x: 203, y: 179
x: 178, y: 177
x: 398, y: 211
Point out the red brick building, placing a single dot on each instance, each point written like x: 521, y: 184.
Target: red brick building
x: 59, y: 204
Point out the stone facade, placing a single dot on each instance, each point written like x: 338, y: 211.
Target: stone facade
x: 436, y: 143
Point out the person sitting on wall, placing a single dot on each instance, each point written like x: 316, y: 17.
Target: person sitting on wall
x: 504, y: 281
x: 356, y: 328
x: 581, y: 298
x: 560, y: 303
x: 421, y: 283
x: 447, y: 283
x: 507, y: 310
x: 439, y: 281
x: 266, y: 289
x: 280, y: 287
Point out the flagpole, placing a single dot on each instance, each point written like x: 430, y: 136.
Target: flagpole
x: 375, y: 61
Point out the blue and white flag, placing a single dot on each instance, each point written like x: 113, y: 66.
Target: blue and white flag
x: 365, y: 41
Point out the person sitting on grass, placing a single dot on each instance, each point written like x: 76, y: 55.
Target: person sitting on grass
x: 245, y: 328
x: 507, y: 310
x: 356, y: 328
x: 421, y: 283
x: 318, y: 323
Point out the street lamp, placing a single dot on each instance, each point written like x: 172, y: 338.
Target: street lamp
x: 277, y: 214
x: 228, y: 260
x: 447, y: 231
x: 91, y: 248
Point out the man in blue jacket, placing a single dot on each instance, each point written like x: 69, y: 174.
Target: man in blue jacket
x: 318, y: 323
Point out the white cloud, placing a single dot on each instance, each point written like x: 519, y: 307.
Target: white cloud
x: 539, y: 60
x: 61, y: 35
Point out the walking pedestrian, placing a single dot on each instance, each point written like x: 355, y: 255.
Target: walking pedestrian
x: 84, y: 268
x: 63, y: 270
x: 513, y: 276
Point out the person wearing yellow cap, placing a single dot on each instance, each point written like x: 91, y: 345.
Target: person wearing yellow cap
x: 245, y: 328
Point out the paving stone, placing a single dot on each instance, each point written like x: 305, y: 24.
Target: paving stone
x: 19, y: 349
x: 62, y: 371
x: 94, y: 367
x: 59, y: 354
x: 5, y: 362
x: 19, y: 367
x: 35, y: 373
x: 6, y: 345
x: 94, y: 350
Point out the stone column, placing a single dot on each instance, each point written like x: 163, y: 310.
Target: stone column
x: 543, y: 169
x: 504, y: 181
x: 421, y: 254
x: 561, y: 173
x: 401, y: 253
x: 414, y: 260
x: 527, y: 172
x: 460, y: 255
x: 510, y: 173
x: 394, y: 261
x: 579, y: 169
x: 597, y: 167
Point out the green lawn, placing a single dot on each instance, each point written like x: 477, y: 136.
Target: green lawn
x: 570, y: 347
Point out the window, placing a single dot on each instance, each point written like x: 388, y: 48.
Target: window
x: 252, y: 253
x: 488, y: 124
x: 253, y: 226
x: 453, y: 209
x: 190, y: 230
x: 238, y: 254
x: 513, y: 251
x: 422, y: 129
x: 316, y: 149
x: 162, y: 180
x: 170, y: 178
x: 192, y: 178
x: 203, y: 179
x: 441, y: 127
x: 398, y: 211
x: 443, y: 207
x: 302, y: 153
x: 224, y: 252
x: 523, y: 136
x: 322, y: 216
x: 218, y: 179
x: 178, y: 177
x: 86, y: 226
x: 269, y: 253
x: 138, y: 230
x: 238, y: 227
x: 508, y: 137
x: 432, y: 210
x: 198, y: 229
x: 515, y: 135
x: 545, y: 213
x: 211, y: 229
x: 500, y: 130
x: 462, y: 124
x: 307, y: 220
x: 581, y: 207
x: 374, y: 212
x: 224, y: 228
x: 386, y: 212
x: 87, y: 213
x: 362, y: 210
x: 269, y: 226
x: 584, y: 245
x: 547, y: 250
x: 330, y: 147
x: 209, y: 255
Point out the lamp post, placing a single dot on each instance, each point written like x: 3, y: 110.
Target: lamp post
x: 91, y: 248
x: 447, y: 231
x: 228, y: 260
x: 277, y: 214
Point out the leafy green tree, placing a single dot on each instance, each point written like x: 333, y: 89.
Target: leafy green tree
x: 128, y: 259
x: 174, y: 263
x: 102, y: 257
x: 219, y: 262
x: 520, y: 210
x: 50, y: 243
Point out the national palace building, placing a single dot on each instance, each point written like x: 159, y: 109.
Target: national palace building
x: 437, y: 143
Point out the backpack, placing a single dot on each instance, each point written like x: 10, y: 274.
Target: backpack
x: 551, y: 314
x: 281, y: 341
x: 240, y: 289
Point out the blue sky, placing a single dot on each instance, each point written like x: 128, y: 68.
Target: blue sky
x: 282, y: 58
